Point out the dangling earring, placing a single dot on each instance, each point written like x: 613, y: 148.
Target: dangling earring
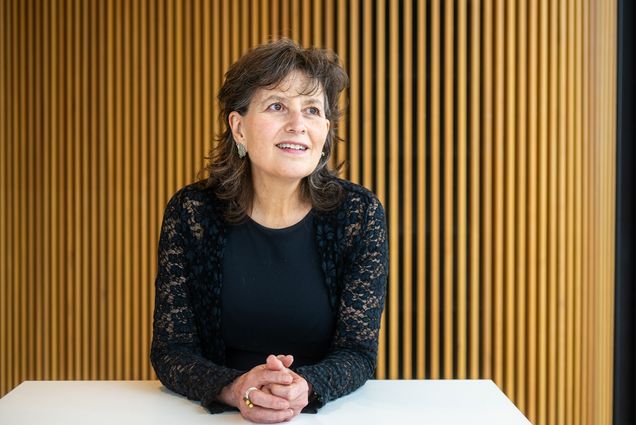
x: 241, y: 150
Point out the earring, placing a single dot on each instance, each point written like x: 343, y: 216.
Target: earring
x: 323, y: 154
x: 241, y: 150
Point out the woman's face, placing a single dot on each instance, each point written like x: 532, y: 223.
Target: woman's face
x: 283, y: 130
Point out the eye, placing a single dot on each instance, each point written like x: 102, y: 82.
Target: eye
x: 275, y: 106
x: 313, y: 110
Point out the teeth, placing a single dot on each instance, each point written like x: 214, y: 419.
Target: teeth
x: 291, y: 146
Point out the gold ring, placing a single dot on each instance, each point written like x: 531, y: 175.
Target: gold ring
x: 246, y: 397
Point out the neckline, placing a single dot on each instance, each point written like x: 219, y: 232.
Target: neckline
x: 281, y: 229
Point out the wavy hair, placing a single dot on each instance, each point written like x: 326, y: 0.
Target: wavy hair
x: 266, y: 66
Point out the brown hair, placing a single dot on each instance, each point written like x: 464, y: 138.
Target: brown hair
x: 266, y: 66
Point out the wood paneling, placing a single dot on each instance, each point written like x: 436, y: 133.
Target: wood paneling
x: 486, y: 127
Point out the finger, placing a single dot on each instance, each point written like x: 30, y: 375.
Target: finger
x: 288, y: 392
x: 265, y: 377
x: 270, y: 401
x: 287, y: 360
x: 267, y: 416
x: 274, y: 363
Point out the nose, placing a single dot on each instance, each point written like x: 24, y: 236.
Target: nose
x: 296, y: 123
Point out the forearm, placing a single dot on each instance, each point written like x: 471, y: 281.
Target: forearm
x: 340, y: 373
x: 191, y: 375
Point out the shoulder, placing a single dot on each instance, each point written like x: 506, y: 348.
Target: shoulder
x: 358, y: 218
x: 194, y: 196
x: 195, y: 205
x: 358, y: 201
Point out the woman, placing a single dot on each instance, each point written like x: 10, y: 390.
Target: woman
x: 272, y: 271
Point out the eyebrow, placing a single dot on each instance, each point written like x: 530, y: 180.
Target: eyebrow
x: 277, y: 98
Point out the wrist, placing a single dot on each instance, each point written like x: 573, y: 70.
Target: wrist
x: 227, y: 394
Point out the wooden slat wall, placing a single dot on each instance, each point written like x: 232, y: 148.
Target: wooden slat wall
x: 486, y: 127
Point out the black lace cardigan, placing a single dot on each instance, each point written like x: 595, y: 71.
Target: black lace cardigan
x: 187, y: 350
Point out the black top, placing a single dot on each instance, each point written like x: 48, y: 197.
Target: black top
x: 274, y: 299
x: 188, y: 351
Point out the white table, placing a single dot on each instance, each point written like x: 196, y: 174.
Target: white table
x: 426, y: 402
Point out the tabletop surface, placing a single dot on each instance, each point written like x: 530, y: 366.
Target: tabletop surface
x: 428, y: 402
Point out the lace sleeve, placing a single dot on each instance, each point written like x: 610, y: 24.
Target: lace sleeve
x: 352, y: 359
x: 176, y: 354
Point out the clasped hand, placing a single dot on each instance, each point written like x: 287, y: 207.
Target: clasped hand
x: 280, y: 393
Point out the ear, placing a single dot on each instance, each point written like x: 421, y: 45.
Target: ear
x: 328, y: 125
x: 235, y: 120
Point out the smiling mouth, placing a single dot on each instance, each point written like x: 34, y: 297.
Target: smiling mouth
x: 292, y: 146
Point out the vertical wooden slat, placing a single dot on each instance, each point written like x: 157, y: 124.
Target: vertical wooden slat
x: 104, y: 131
x: 570, y: 211
x: 216, y: 74
x: 462, y: 192
x: 186, y: 46
x: 498, y: 201
x: 67, y: 211
x: 285, y: 24
x: 207, y: 100
x: 543, y: 207
x: 434, y: 142
x: 22, y: 239
x: 532, y: 228
x: 38, y: 200
x: 394, y: 278
x: 97, y: 139
x: 12, y: 334
x: 161, y: 115
x: 475, y: 194
x: 32, y: 81
x: 179, y: 144
x: 554, y: 265
x: 562, y: 195
x: 53, y: 190
x: 407, y: 195
x: 247, y: 29
x: 10, y: 166
x: 318, y: 22
x: 486, y: 254
x: 233, y: 44
x: 149, y: 177
x: 294, y: 23
x: 110, y: 202
x: 575, y: 413
x: 353, y: 109
x: 341, y: 149
x: 119, y: 187
x: 305, y: 23
x: 608, y: 319
x: 586, y: 214
x: 521, y: 221
x: 126, y: 229
x: 143, y: 279
x: 421, y: 185
x: 329, y: 24
x: 83, y: 287
x: 4, y: 184
x: 134, y: 262
x: 449, y: 222
x: 195, y: 80
x: 368, y: 141
x: 510, y: 147
x: 77, y: 247
x: 380, y: 158
x: 275, y: 20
